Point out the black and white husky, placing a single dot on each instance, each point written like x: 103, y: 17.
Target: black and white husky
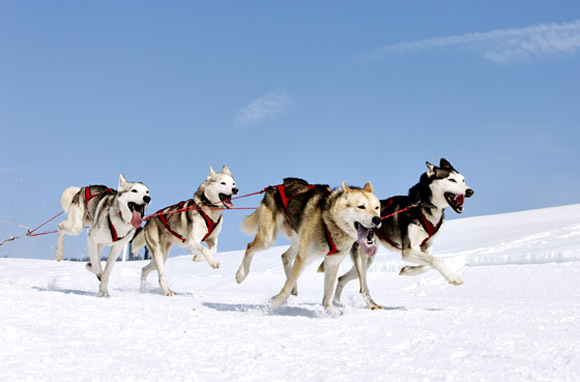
x: 413, y: 230
x: 112, y: 217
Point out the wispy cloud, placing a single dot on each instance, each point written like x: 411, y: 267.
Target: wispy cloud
x: 498, y: 45
x: 264, y: 108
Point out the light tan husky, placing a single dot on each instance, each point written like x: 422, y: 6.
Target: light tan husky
x: 319, y: 223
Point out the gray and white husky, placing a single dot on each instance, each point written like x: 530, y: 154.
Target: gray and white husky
x: 112, y: 217
x: 412, y: 231
x: 187, y: 224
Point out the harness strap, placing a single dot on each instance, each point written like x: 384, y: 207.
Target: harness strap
x: 88, y: 197
x: 114, y: 235
x: 161, y: 214
x: 429, y: 228
x: 210, y: 224
x: 331, y: 246
x: 286, y: 200
x: 384, y: 238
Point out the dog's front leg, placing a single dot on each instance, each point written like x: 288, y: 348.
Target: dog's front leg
x: 362, y: 261
x: 196, y: 248
x: 113, y: 256
x: 425, y: 259
x: 331, y: 264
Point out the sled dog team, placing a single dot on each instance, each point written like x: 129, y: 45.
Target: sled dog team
x: 322, y: 224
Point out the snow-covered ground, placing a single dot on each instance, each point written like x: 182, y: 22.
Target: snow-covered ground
x: 516, y: 318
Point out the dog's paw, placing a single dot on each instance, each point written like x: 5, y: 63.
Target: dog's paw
x: 456, y: 282
x: 333, y: 311
x: 241, y: 274
x: 215, y: 264
x: 59, y: 254
x: 454, y: 279
x: 277, y: 301
x: 197, y: 258
x: 170, y: 293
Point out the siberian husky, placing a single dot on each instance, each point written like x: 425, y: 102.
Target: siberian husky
x: 187, y: 224
x: 413, y: 230
x: 319, y: 223
x: 112, y: 217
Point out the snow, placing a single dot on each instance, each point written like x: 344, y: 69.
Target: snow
x: 516, y: 318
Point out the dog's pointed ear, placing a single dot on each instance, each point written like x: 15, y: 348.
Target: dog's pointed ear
x: 211, y: 171
x: 345, y: 187
x: 444, y: 164
x: 226, y: 170
x: 368, y: 187
x: 122, y: 181
x: 430, y: 169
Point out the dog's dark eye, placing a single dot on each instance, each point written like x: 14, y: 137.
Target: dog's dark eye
x: 223, y: 183
x: 361, y: 207
x: 377, y: 207
x: 135, y: 191
x: 453, y: 180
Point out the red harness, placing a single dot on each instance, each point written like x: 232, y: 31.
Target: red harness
x: 113, y: 230
x: 210, y: 224
x: 429, y: 228
x: 88, y: 197
x: 331, y: 246
x: 285, y: 200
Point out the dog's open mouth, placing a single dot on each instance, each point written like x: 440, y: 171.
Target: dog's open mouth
x: 226, y: 200
x: 455, y: 201
x: 366, y: 239
x: 138, y: 211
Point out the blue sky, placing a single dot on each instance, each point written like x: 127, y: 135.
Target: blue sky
x: 325, y: 90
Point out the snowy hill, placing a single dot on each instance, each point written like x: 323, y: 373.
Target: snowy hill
x: 516, y: 318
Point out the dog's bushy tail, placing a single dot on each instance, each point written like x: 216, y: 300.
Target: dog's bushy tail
x: 250, y: 222
x: 67, y: 197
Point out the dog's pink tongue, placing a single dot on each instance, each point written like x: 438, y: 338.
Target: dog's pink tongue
x: 362, y: 234
x: 137, y: 219
x: 459, y: 200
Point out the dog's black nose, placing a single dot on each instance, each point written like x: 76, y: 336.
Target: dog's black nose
x: 469, y: 193
x: 235, y: 191
x: 146, y: 198
x: 377, y: 221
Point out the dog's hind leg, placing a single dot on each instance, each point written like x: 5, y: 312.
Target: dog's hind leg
x: 287, y: 260
x: 264, y: 239
x: 301, y: 261
x: 95, y: 250
x: 145, y: 272
x: 72, y: 226
x: 158, y: 257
